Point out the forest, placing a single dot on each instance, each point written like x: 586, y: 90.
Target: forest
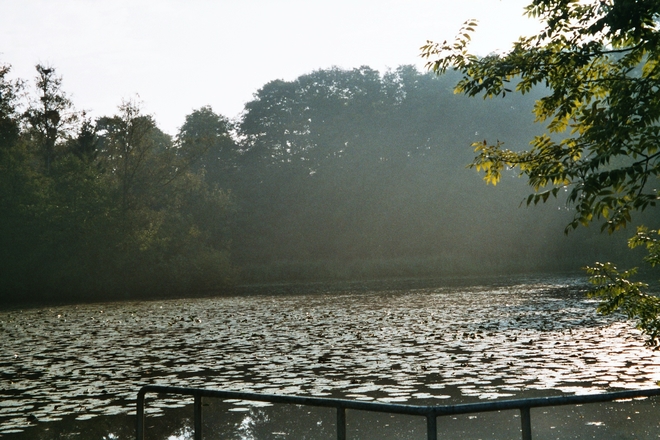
x: 340, y: 174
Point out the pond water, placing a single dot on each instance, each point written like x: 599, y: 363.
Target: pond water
x: 74, y: 371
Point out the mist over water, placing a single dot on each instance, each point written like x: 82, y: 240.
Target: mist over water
x: 434, y: 344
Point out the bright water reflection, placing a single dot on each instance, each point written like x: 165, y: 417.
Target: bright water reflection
x: 425, y: 345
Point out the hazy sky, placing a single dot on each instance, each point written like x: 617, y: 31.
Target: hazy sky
x: 179, y: 55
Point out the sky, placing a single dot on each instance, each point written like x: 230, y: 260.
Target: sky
x: 175, y: 56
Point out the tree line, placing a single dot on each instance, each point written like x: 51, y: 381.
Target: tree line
x: 338, y: 174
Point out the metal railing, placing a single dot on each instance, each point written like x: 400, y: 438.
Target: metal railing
x: 431, y: 413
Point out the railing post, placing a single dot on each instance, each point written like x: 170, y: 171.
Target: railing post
x: 140, y: 416
x: 341, y: 423
x: 432, y: 427
x: 526, y: 423
x: 198, y: 417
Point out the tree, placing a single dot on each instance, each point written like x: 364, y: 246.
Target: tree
x: 137, y: 155
x: 50, y: 115
x: 19, y: 193
x: 165, y: 239
x: 598, y: 62
x: 205, y: 142
x: 85, y: 144
x: 9, y: 120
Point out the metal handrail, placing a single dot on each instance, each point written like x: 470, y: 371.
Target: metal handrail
x: 431, y: 412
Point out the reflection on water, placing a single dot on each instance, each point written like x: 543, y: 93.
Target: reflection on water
x: 427, y: 345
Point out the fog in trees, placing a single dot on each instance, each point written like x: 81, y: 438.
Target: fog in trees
x: 338, y: 174
x: 353, y: 173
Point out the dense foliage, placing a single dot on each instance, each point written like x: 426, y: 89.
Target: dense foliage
x: 338, y: 174
x: 96, y: 208
x: 598, y: 64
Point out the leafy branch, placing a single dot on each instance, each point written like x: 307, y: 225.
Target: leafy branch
x: 618, y: 293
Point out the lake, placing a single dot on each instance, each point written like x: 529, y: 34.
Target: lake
x: 73, y: 371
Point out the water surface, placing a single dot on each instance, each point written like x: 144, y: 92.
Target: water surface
x: 430, y: 345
